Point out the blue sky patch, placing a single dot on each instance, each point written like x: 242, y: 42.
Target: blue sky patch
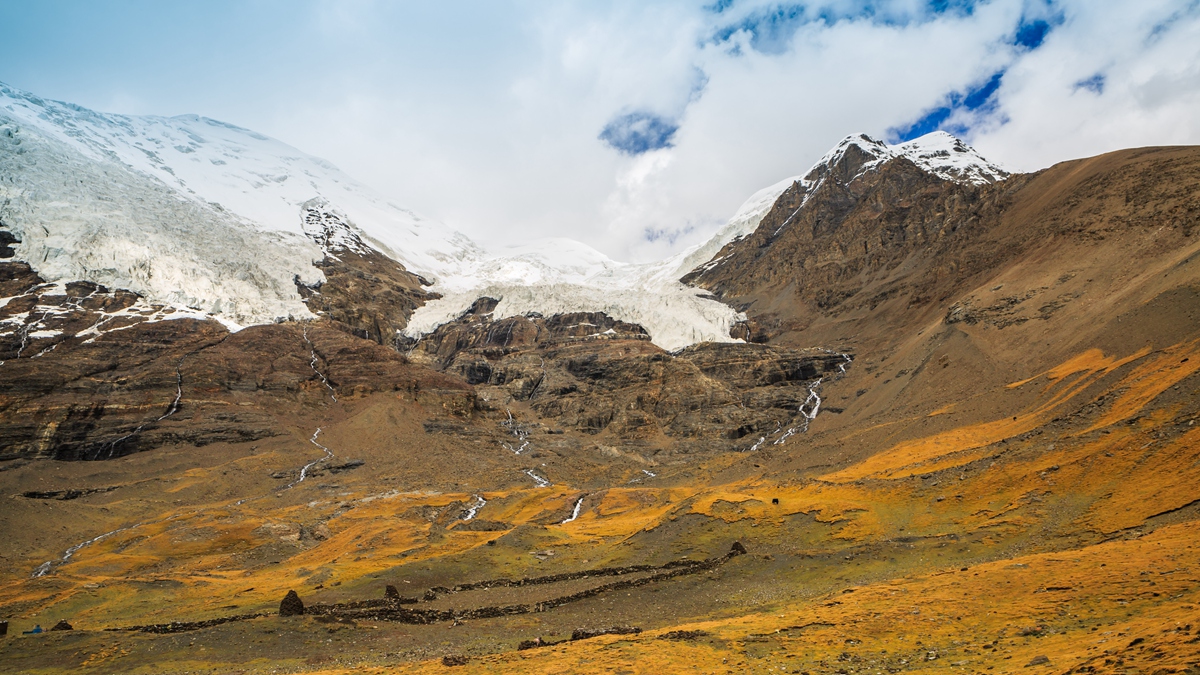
x: 965, y: 7
x: 1094, y: 84
x: 980, y: 99
x: 1038, y: 21
x: 1030, y: 35
x: 638, y: 132
x: 770, y: 30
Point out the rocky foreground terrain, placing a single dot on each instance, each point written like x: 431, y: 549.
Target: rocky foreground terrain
x: 959, y: 436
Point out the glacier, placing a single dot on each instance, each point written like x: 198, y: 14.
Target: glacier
x: 196, y: 213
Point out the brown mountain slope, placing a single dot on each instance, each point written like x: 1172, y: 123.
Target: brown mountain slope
x: 897, y: 243
x: 960, y: 289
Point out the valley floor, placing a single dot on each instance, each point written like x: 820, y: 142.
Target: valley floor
x: 1060, y: 538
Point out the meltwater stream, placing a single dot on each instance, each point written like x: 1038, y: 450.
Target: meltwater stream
x: 575, y: 511
x: 809, y: 408
x: 304, y: 470
x: 479, y: 503
x: 312, y: 351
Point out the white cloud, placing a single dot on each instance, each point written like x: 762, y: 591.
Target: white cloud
x: 1151, y: 92
x: 521, y: 157
x: 486, y: 114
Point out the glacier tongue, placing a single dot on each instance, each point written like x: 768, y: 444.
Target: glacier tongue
x: 554, y: 276
x: 97, y: 220
x: 262, y: 181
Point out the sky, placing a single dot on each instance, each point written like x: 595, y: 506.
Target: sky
x: 637, y: 127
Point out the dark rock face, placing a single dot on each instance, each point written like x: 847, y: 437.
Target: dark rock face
x: 593, y: 374
x: 291, y: 605
x: 370, y: 294
x: 465, y: 346
x: 84, y: 377
x: 16, y: 279
x: 6, y: 242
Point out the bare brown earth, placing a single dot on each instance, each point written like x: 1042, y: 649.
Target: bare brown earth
x: 1004, y: 479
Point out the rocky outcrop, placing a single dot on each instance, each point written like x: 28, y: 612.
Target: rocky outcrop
x: 595, y: 375
x: 89, y: 373
x: 370, y: 294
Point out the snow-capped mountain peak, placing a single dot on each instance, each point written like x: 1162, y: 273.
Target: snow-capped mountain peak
x: 194, y: 212
x: 947, y: 157
x: 937, y: 153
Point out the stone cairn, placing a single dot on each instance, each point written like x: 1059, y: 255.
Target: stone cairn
x: 291, y: 605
